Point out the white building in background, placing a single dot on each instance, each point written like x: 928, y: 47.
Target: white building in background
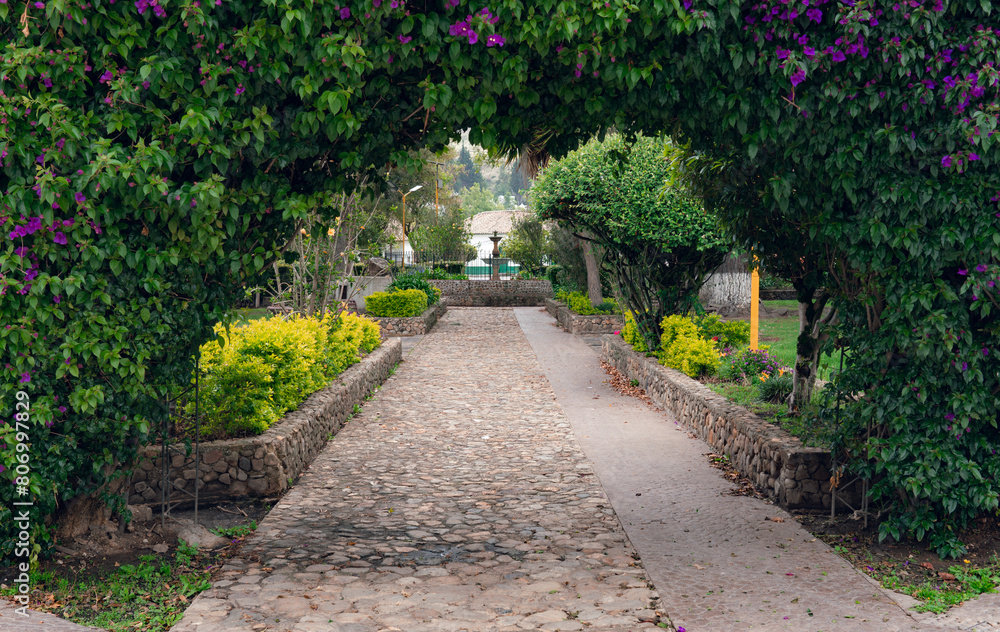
x: 482, y: 225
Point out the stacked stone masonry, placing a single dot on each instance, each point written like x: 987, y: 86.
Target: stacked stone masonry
x: 577, y: 324
x: 414, y: 325
x: 795, y: 476
x: 512, y: 293
x: 262, y: 466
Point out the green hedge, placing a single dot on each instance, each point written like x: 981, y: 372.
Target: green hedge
x: 415, y: 282
x: 269, y: 366
x: 398, y: 304
x: 579, y: 303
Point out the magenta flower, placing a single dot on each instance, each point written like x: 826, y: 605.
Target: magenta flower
x: 106, y: 77
x: 193, y: 204
x: 39, y: 5
x: 814, y: 14
x: 986, y: 352
x: 79, y: 197
x: 473, y: 37
x: 62, y: 409
x: 495, y: 40
x: 345, y: 13
x: 240, y: 89
x: 981, y: 268
x: 973, y: 156
x: 963, y: 272
x: 25, y: 377
x: 404, y: 39
x: 57, y: 299
x: 145, y: 85
x: 946, y: 161
x: 798, y: 76
x: 59, y: 238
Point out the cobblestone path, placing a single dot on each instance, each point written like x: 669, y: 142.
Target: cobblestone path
x: 458, y: 499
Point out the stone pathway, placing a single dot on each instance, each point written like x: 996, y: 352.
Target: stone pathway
x: 485, y: 488
x: 459, y: 499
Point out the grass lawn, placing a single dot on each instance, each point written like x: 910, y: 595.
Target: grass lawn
x: 248, y: 314
x: 780, y: 334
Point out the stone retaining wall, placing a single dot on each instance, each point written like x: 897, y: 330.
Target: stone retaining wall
x: 577, y: 324
x: 414, y: 325
x: 262, y: 466
x: 795, y: 476
x: 512, y: 293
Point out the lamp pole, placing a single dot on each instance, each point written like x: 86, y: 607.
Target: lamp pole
x: 419, y: 186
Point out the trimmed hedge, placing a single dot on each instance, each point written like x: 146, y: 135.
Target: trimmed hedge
x: 415, y: 282
x: 579, y: 303
x: 397, y: 304
x: 270, y: 365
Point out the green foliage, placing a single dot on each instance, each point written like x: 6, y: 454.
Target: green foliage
x: 726, y: 334
x: 528, y: 245
x: 238, y: 531
x: 683, y: 348
x: 440, y: 274
x: 415, y: 282
x: 579, y: 303
x: 398, y: 304
x: 477, y: 199
x: 775, y: 388
x: 751, y: 364
x: 659, y: 245
x: 631, y: 335
x: 269, y: 366
x: 444, y: 234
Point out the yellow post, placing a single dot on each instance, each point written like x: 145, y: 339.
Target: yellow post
x: 754, y: 307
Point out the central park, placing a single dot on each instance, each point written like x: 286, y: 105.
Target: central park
x: 259, y: 234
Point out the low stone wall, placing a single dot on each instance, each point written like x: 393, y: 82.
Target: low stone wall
x: 795, y: 476
x: 414, y: 325
x: 577, y: 324
x: 262, y: 466
x: 512, y: 293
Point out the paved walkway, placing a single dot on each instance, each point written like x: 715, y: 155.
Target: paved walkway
x: 486, y: 488
x: 458, y: 499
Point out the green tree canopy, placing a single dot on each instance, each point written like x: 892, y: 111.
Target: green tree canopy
x: 659, y: 246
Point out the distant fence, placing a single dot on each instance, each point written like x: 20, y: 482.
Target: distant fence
x: 469, y: 262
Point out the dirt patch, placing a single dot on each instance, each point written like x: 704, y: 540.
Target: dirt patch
x: 105, y: 548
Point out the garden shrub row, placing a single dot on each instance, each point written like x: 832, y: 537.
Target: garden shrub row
x: 396, y: 304
x: 253, y: 374
x: 579, y: 303
x: 704, y: 346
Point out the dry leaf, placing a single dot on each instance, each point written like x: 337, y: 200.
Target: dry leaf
x: 777, y: 519
x: 948, y: 577
x: 927, y: 565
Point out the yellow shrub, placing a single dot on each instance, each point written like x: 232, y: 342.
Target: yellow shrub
x: 691, y: 355
x: 269, y: 366
x: 673, y: 327
x: 631, y: 335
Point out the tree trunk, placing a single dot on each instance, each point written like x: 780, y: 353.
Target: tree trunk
x: 593, y: 273
x: 808, y: 346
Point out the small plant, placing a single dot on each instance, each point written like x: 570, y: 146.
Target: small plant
x: 579, y: 303
x: 733, y: 333
x: 237, y: 531
x: 775, y: 388
x: 749, y: 364
x: 633, y: 382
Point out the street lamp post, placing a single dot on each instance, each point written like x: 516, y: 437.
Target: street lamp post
x: 419, y: 186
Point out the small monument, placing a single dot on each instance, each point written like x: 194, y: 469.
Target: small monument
x: 496, y: 260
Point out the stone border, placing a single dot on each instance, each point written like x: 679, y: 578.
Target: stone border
x: 512, y: 293
x: 264, y: 465
x: 795, y: 476
x: 577, y: 324
x: 413, y: 325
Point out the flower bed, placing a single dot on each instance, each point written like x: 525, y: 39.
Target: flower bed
x: 795, y: 476
x: 577, y: 324
x: 263, y: 466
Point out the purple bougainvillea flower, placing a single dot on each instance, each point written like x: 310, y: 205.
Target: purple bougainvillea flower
x: 838, y: 55
x: 345, y: 13
x: 145, y: 85
x: 39, y: 5
x: 973, y: 156
x: 965, y: 366
x: 950, y: 416
x: 963, y: 272
x: 986, y: 352
x: 106, y: 77
x: 96, y: 226
x: 404, y: 39
x: 981, y: 267
x: 57, y: 299
x: 783, y: 53
x: 814, y: 14
x: 55, y: 206
x: 798, y: 76
x: 495, y: 40
x: 79, y: 197
x: 240, y: 89
x: 473, y: 37
x: 25, y: 377
x: 59, y: 238
x: 62, y: 409
x: 946, y: 161
x: 449, y: 4
x: 194, y: 203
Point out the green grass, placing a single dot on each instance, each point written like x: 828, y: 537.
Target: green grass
x: 151, y: 595
x: 250, y: 313
x: 786, y: 330
x: 936, y: 594
x: 776, y: 304
x: 801, y: 425
x: 238, y: 531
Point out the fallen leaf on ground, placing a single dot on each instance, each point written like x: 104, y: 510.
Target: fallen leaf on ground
x: 948, y: 577
x: 777, y: 519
